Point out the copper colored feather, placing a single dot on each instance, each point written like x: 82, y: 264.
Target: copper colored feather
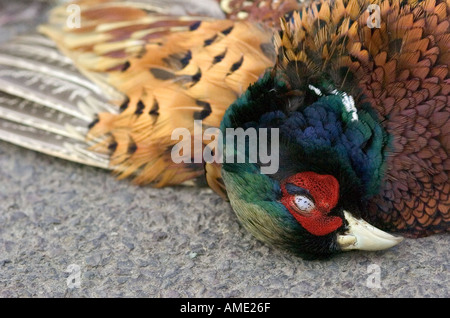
x: 409, y: 86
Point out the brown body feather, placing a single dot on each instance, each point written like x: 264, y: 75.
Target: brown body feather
x: 410, y: 88
x: 172, y: 70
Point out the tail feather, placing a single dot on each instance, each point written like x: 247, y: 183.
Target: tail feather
x: 51, y: 144
x: 46, y: 105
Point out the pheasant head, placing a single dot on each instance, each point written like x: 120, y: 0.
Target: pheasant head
x: 332, y: 152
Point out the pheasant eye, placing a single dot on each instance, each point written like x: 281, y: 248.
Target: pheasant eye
x: 304, y: 203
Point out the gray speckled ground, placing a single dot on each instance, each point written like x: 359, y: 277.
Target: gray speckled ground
x: 173, y: 242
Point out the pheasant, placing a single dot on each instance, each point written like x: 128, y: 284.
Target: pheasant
x: 354, y: 93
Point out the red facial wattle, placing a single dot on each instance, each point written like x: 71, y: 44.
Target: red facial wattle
x: 324, y: 189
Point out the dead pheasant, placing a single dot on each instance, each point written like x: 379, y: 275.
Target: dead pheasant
x: 357, y: 91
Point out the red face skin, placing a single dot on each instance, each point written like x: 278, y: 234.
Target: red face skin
x: 324, y: 189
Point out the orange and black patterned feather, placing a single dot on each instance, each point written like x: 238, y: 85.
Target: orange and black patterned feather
x: 168, y: 71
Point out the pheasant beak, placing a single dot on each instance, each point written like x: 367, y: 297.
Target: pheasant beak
x: 360, y: 235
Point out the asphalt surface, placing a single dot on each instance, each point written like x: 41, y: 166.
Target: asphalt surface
x: 68, y: 230
x: 126, y: 241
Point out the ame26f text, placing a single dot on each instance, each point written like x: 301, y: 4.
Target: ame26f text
x: 229, y: 307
